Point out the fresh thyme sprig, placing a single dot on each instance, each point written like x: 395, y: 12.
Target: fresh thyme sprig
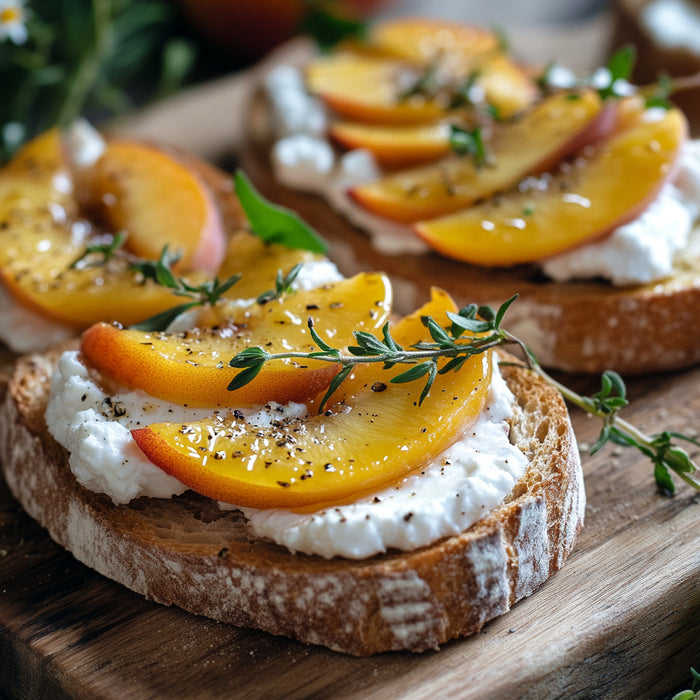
x: 160, y: 272
x: 473, y: 330
x: 97, y: 254
x: 471, y: 143
x: 283, y: 285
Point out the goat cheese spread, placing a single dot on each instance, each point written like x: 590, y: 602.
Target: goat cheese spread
x: 639, y: 252
x: 447, y: 496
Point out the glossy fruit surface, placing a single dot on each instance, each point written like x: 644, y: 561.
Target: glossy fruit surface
x: 42, y: 233
x: 376, y: 436
x: 556, y: 127
x: 611, y: 185
x: 192, y: 367
x: 157, y: 200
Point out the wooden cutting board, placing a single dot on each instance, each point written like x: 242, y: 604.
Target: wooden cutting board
x: 621, y: 620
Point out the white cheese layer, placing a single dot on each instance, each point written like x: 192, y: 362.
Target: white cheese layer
x: 643, y: 250
x: 640, y: 252
x: 446, y: 497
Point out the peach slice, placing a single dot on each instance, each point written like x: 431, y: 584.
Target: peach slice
x: 368, y: 89
x: 192, y: 367
x: 421, y: 40
x: 373, y: 438
x: 258, y: 263
x: 558, y: 126
x: 459, y: 49
x: 147, y: 192
x: 35, y: 269
x: 395, y: 146
x: 589, y: 198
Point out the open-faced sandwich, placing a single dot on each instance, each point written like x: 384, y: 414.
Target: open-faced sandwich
x: 470, y: 172
x: 362, y: 506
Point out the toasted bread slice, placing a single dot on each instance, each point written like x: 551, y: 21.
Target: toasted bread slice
x: 587, y: 326
x: 185, y: 551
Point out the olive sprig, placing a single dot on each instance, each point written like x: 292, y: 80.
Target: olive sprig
x: 472, y: 331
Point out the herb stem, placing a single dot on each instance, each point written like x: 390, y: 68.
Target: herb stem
x: 89, y: 67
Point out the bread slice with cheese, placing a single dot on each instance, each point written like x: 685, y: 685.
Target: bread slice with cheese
x: 185, y: 551
x: 579, y: 326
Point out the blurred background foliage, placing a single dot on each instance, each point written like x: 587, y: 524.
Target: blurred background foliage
x: 85, y: 56
x: 60, y: 59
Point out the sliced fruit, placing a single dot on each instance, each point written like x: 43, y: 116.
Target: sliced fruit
x: 373, y: 438
x: 459, y: 49
x: 507, y: 86
x: 555, y: 128
x: 395, y: 146
x: 422, y: 41
x: 588, y: 199
x: 36, y: 273
x: 370, y: 89
x: 258, y: 263
x: 157, y: 200
x: 192, y: 367
x: 42, y: 233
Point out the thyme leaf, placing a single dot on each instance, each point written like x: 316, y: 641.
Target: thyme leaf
x: 469, y: 143
x: 471, y: 331
x: 98, y: 254
x: 283, y: 285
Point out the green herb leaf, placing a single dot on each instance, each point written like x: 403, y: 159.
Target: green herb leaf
x: 99, y: 253
x: 272, y: 223
x: 161, y: 321
x: 329, y: 24
x: 468, y: 143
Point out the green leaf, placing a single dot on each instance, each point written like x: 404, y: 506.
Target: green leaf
x: 429, y: 384
x: 663, y: 479
x: 621, y: 63
x: 437, y: 333
x: 468, y: 143
x: 161, y: 321
x: 502, y: 310
x: 335, y: 383
x: 317, y: 338
x: 245, y: 376
x: 329, y: 27
x: 468, y: 324
x: 249, y: 357
x: 272, y: 223
x: 410, y: 375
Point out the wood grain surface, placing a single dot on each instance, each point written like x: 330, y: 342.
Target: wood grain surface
x: 621, y: 620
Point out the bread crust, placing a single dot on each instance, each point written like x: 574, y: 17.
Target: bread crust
x: 185, y: 551
x: 587, y: 326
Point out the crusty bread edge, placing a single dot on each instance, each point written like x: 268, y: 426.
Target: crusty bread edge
x: 413, y: 601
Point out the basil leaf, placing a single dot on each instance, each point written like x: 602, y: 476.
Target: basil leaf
x: 272, y: 223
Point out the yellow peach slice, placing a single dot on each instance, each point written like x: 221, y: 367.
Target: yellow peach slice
x: 192, y: 367
x: 41, y: 234
x: 587, y: 200
x: 258, y: 263
x: 422, y: 41
x: 35, y: 271
x: 369, y: 89
x: 558, y: 126
x: 157, y: 200
x: 371, y: 439
x: 459, y: 49
x: 395, y: 146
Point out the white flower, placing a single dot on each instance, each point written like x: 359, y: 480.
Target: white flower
x: 12, y: 21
